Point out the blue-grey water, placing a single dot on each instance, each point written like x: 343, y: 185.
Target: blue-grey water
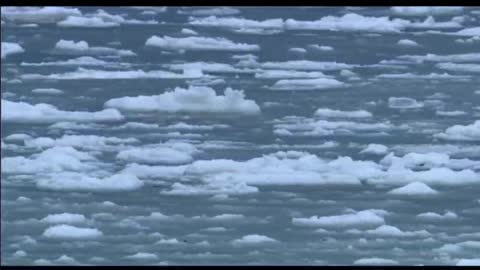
x: 291, y: 164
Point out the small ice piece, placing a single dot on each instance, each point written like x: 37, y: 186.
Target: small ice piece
x: 297, y: 50
x: 404, y: 103
x: 375, y: 261
x: 199, y: 44
x: 407, y: 43
x: 71, y: 232
x: 66, y: 218
x: 253, y: 239
x: 376, y: 149
x: 47, y: 91
x: 414, y: 189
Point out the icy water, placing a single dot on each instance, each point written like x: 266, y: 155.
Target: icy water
x: 356, y: 139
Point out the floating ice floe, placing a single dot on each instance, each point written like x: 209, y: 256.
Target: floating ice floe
x: 474, y: 68
x: 461, y: 133
x: 217, y: 11
x: 177, y: 153
x: 407, y: 43
x: 99, y: 19
x: 426, y: 11
x: 459, y: 248
x: 321, y: 48
x: 80, y: 61
x: 297, y: 50
x: 71, y: 232
x: 94, y: 74
x: 385, y: 231
x: 70, y: 181
x: 375, y: 261
x: 88, y: 142
x: 434, y: 217
x: 253, y: 239
x: 56, y: 159
x: 237, y: 23
x: 47, y: 91
x: 430, y: 23
x: 308, y: 84
x: 430, y: 57
x: 88, y: 22
x: 431, y: 76
x: 376, y: 149
x: 404, y: 103
x: 361, y: 219
x: 142, y: 256
x: 9, y: 48
x: 305, y: 65
x: 350, y: 22
x: 82, y: 47
x: 17, y: 137
x: 37, y: 14
x: 450, y: 113
x: 472, y: 31
x: 284, y: 74
x: 66, y: 218
x: 468, y: 262
x: 187, y: 31
x: 330, y: 113
x: 22, y: 112
x: 198, y: 44
x: 414, y: 189
x: 193, y: 99
x: 209, y: 67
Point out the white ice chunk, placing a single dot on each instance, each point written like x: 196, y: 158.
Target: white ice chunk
x: 71, y: 232
x: 199, y: 43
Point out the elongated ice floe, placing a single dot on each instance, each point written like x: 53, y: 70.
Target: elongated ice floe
x: 375, y: 261
x: 71, y: 181
x: 414, y: 189
x: 209, y: 67
x: 83, y: 48
x: 361, y: 219
x: 56, y: 159
x: 71, y: 232
x: 9, y: 48
x: 79, y: 21
x: 404, y: 103
x: 199, y: 44
x: 47, y: 91
x: 425, y: 11
x: 178, y: 153
x: 88, y: 142
x: 376, y: 149
x: 37, y: 14
x: 193, y: 99
x: 385, y: 231
x: 22, y: 112
x: 237, y: 23
x: 79, y: 61
x: 218, y: 11
x: 285, y: 74
x: 96, y: 74
x: 305, y: 65
x: 474, y: 68
x: 65, y: 218
x: 326, y: 112
x: 407, y: 43
x: 468, y: 262
x: 461, y: 133
x: 430, y: 57
x: 350, y: 22
x: 253, y: 239
x: 434, y: 217
x: 142, y: 256
x: 472, y: 31
x: 431, y: 76
x: 308, y: 84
